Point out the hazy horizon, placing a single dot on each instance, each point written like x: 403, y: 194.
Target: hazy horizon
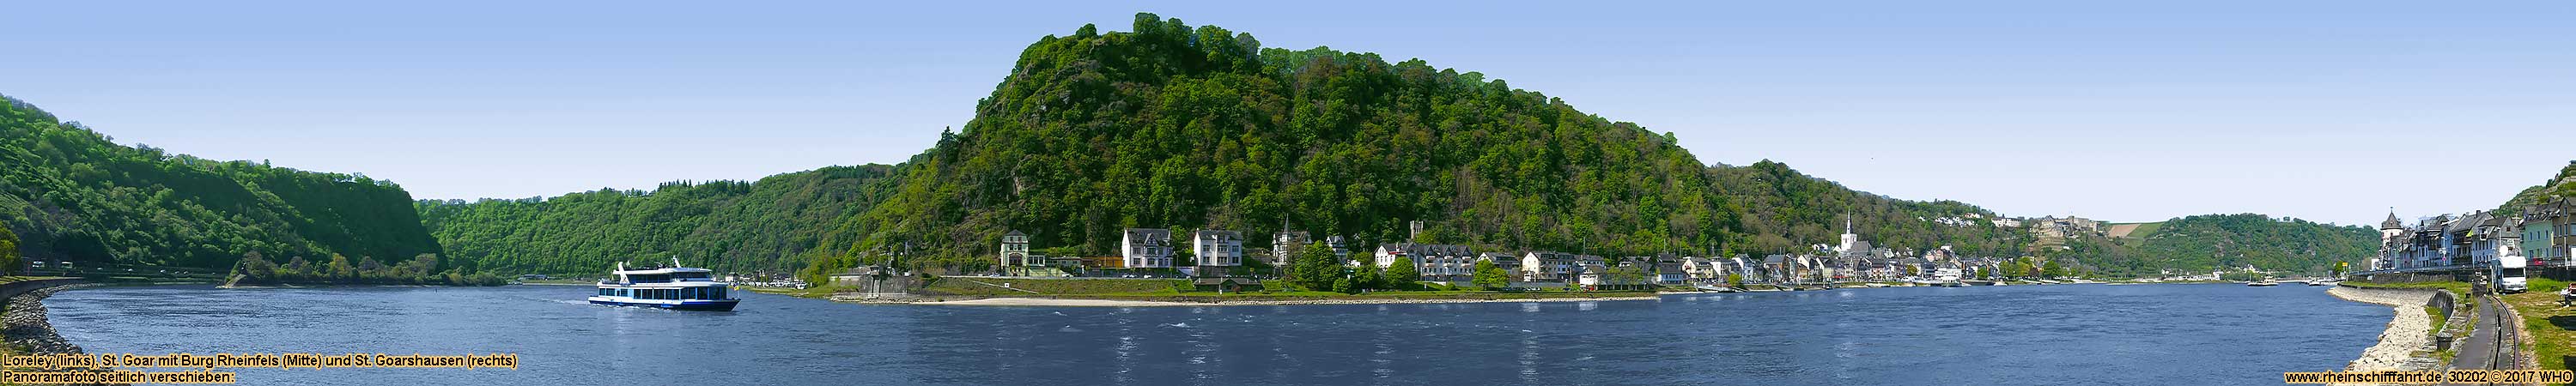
x: 2328, y: 111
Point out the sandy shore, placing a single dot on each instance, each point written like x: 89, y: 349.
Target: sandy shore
x: 1141, y: 303
x: 2409, y: 330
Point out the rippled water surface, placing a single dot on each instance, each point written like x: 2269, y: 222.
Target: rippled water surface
x: 2024, y: 335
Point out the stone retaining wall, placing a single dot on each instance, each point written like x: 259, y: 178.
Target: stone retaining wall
x: 26, y: 326
x: 2408, y: 332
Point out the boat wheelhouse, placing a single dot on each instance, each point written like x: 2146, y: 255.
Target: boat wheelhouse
x: 674, y: 287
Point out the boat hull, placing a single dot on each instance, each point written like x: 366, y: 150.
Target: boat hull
x: 689, y: 305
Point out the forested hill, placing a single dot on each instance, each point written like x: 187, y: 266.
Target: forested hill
x: 1182, y: 127
x: 1173, y: 126
x: 2561, y: 185
x: 768, y: 225
x: 2238, y: 240
x: 70, y: 193
x: 1784, y: 210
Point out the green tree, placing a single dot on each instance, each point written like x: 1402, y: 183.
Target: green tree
x: 1402, y: 274
x: 1491, y: 277
x: 1315, y: 268
x: 8, y: 251
x: 1368, y: 276
x: 340, y: 268
x: 1626, y: 275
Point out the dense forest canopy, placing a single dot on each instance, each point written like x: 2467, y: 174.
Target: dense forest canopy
x: 1787, y: 211
x: 2239, y: 240
x: 1173, y: 126
x: 767, y: 225
x: 71, y: 194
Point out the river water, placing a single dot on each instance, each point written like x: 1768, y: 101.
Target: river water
x: 2018, y: 335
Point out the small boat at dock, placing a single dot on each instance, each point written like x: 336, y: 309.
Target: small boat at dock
x: 2264, y: 283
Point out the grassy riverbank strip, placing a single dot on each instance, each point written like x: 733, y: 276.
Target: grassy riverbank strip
x: 1257, y: 300
x: 2546, y: 326
x: 1128, y: 292
x: 1288, y: 298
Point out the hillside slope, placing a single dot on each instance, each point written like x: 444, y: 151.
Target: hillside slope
x: 73, y: 195
x: 2238, y: 240
x: 1172, y: 126
x: 766, y: 225
x: 2561, y: 185
x: 1784, y: 210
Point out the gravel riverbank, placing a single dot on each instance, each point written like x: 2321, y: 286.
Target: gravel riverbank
x: 2410, y: 330
x: 28, y: 328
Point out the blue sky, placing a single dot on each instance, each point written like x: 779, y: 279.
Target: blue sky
x: 2327, y: 110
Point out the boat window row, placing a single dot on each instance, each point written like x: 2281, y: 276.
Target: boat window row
x: 667, y: 277
x: 687, y: 293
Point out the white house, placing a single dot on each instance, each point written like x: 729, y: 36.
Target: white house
x: 1146, y: 248
x: 1704, y: 269
x: 1217, y: 248
x: 1015, y: 251
x: 1547, y: 266
x: 1438, y: 262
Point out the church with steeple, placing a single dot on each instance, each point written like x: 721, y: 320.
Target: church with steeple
x: 2392, y: 235
x: 2388, y: 230
x: 1851, y: 245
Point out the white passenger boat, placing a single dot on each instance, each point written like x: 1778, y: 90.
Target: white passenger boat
x: 674, y: 287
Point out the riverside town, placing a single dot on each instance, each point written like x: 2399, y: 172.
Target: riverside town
x: 1316, y: 193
